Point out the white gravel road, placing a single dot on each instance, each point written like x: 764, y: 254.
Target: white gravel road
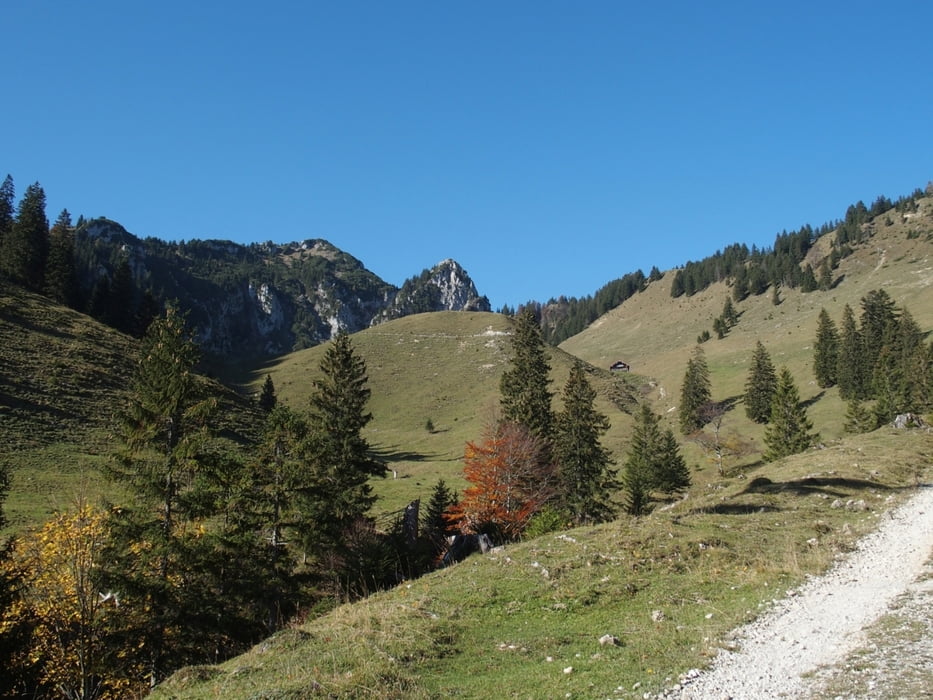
x: 821, y: 622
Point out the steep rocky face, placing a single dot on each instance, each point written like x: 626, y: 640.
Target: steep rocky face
x: 444, y: 287
x: 264, y: 299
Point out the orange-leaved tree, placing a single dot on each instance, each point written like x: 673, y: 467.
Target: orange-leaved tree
x: 510, y: 481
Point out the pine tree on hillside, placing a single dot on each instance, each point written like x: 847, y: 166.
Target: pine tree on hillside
x: 851, y: 370
x: 435, y: 525
x: 163, y: 463
x: 26, y: 246
x: 858, y: 418
x: 826, y: 276
x: 340, y: 463
x: 61, y: 282
x: 7, y: 193
x: 788, y: 431
x: 695, y: 393
x: 878, y: 320
x: 898, y: 376
x: 654, y: 463
x: 586, y: 478
x: 760, y: 385
x: 121, y: 306
x: 826, y: 351
x: 525, y: 397
x: 267, y: 397
x: 729, y: 315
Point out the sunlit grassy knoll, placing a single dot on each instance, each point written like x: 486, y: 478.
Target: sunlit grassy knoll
x: 438, y: 367
x: 525, y: 620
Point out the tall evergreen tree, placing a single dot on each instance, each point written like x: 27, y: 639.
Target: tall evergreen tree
x: 435, y: 525
x: 267, y: 397
x: 654, y: 462
x: 7, y: 193
x: 121, y: 303
x: 340, y: 463
x: 729, y: 315
x: 898, y: 379
x: 26, y: 246
x: 878, y: 318
x: 153, y: 559
x: 826, y: 276
x: 267, y: 504
x: 587, y: 480
x: 695, y: 393
x: 788, y: 431
x: 525, y: 397
x: 852, y: 368
x: 60, y: 279
x: 760, y: 385
x: 826, y: 351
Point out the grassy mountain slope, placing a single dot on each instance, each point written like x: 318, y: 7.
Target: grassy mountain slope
x: 526, y: 620
x: 440, y: 367
x: 62, y: 375
x: 656, y: 333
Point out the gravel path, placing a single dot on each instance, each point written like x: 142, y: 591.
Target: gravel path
x: 820, y: 624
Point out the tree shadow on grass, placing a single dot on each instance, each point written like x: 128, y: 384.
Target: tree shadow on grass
x: 830, y: 485
x: 391, y: 454
x: 812, y: 400
x: 735, y: 509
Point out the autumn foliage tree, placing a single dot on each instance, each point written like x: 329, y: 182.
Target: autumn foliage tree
x: 71, y: 641
x: 508, y: 484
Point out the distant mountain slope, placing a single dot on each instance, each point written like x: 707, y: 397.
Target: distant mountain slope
x: 262, y: 299
x: 655, y: 332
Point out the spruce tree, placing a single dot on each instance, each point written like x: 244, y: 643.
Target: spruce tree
x: 585, y: 474
x: 760, y: 385
x: 121, y: 306
x: 435, y: 526
x: 826, y: 351
x: 826, y: 276
x: 525, y: 397
x: 340, y: 463
x: 267, y: 397
x: 60, y: 279
x: 788, y: 431
x: 164, y: 464
x: 695, y: 393
x: 878, y: 318
x: 7, y: 193
x: 852, y: 369
x: 729, y: 315
x: 26, y: 246
x: 858, y: 418
x: 654, y: 462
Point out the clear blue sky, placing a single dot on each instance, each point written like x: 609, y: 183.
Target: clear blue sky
x: 549, y: 147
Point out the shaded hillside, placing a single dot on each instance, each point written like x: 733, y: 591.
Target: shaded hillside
x: 62, y: 372
x: 63, y: 377
x: 439, y: 367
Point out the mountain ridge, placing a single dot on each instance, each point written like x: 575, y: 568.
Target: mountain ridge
x: 260, y: 299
